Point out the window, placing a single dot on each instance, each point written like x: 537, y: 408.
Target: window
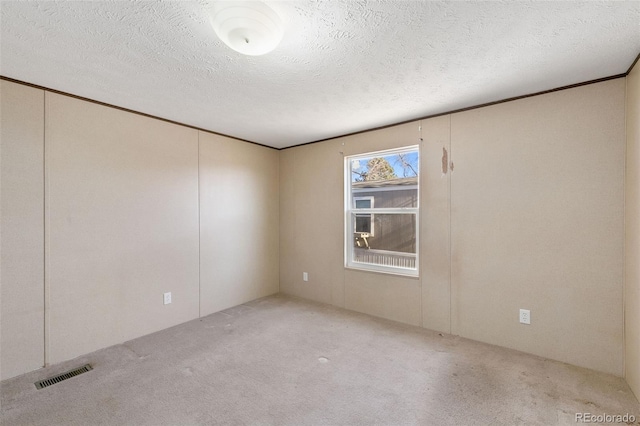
x: 381, y: 206
x: 364, y: 221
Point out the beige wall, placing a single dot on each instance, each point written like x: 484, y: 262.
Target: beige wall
x: 632, y: 233
x: 311, y: 222
x: 22, y: 227
x: 532, y: 216
x: 312, y: 226
x: 535, y: 208
x: 536, y: 223
x: 130, y: 207
x: 435, y: 219
x: 122, y: 225
x: 239, y: 247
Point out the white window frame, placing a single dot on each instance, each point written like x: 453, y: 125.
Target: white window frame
x: 350, y: 210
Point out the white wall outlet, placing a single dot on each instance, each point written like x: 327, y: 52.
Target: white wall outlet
x: 167, y: 298
x: 305, y: 276
x: 525, y: 316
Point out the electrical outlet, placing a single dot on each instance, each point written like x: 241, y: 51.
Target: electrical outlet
x: 305, y: 276
x: 167, y: 298
x: 525, y: 316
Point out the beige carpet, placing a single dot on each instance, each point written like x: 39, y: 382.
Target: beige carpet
x: 285, y: 361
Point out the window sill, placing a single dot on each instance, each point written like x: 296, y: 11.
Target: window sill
x: 379, y: 271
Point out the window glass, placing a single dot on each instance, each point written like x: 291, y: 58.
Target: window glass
x: 382, y: 211
x: 363, y: 203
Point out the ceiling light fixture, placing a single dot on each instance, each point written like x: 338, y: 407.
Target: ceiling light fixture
x: 249, y: 27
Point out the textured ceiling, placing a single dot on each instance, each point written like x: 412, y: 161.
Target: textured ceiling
x: 343, y: 66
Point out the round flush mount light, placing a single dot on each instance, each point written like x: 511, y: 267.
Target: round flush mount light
x: 249, y: 27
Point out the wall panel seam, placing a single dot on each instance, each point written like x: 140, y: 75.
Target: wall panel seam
x: 422, y: 224
x: 449, y: 180
x: 624, y: 227
x: 47, y: 227
x: 199, y: 237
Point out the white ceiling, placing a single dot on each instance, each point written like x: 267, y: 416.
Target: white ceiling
x: 343, y: 66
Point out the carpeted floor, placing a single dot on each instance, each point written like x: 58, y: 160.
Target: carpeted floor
x: 285, y: 361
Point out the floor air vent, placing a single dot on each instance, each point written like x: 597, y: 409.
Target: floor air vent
x: 64, y: 376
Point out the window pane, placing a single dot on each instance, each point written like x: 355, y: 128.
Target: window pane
x: 394, y: 232
x: 363, y: 204
x: 390, y: 181
x: 385, y: 167
x: 388, y: 195
x: 394, y: 242
x: 363, y: 223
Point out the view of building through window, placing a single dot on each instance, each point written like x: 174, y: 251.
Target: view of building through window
x: 382, y: 211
